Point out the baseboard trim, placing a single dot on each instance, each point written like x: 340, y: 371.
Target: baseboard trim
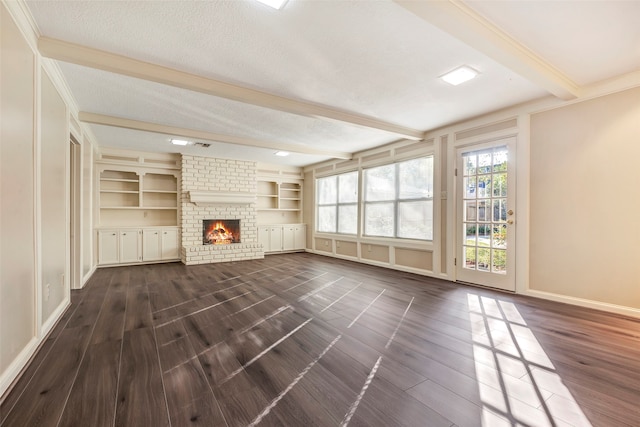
x: 603, y: 306
x: 15, y: 368
x: 55, y: 317
x: 87, y: 276
x: 11, y: 375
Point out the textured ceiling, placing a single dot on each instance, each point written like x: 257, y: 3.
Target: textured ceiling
x: 373, y: 58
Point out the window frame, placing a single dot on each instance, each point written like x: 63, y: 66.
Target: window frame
x: 397, y: 201
x: 337, y: 204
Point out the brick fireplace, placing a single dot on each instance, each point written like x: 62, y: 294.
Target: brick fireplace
x: 218, y: 188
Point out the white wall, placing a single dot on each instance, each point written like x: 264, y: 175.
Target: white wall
x: 585, y: 200
x: 34, y: 194
x: 54, y: 232
x: 17, y: 200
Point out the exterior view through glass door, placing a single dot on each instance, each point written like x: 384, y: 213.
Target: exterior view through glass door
x: 485, y: 182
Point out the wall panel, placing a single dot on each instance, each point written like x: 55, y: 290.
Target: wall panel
x: 585, y: 225
x: 17, y: 210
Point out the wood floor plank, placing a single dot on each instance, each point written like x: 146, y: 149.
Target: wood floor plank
x: 186, y: 385
x: 93, y: 395
x: 141, y: 397
x: 43, y: 400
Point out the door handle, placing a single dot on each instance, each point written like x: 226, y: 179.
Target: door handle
x: 510, y: 222
x: 510, y: 212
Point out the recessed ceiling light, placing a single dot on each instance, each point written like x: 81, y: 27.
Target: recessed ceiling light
x: 180, y: 142
x: 459, y: 75
x: 276, y: 4
x: 282, y: 153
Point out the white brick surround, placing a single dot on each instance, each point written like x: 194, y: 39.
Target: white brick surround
x: 218, y: 176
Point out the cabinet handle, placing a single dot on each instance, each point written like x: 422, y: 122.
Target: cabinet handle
x: 155, y: 233
x: 113, y: 234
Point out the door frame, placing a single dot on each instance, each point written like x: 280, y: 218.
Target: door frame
x: 514, y: 162
x: 75, y: 214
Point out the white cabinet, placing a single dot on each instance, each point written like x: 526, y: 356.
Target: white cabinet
x: 282, y: 237
x: 135, y: 245
x: 169, y: 246
x: 151, y: 244
x: 294, y: 237
x: 129, y: 246
x: 271, y: 237
x: 108, y: 247
x: 159, y: 244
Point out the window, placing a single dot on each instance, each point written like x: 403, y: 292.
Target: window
x: 398, y: 200
x: 337, y: 204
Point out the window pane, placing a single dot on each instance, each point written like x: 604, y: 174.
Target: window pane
x: 327, y: 219
x: 484, y: 259
x: 470, y: 258
x: 380, y: 183
x: 499, y: 261
x: 378, y: 219
x: 348, y: 219
x: 415, y: 178
x: 500, y: 160
x: 500, y: 210
x: 327, y: 190
x: 499, y: 185
x: 484, y: 186
x: 470, y: 161
x: 470, y: 187
x: 484, y: 163
x: 414, y: 220
x: 348, y: 188
x: 470, y: 234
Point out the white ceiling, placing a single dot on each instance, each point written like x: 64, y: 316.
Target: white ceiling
x: 375, y: 59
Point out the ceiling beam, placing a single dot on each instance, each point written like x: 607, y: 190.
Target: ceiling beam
x: 101, y: 119
x: 98, y: 59
x: 465, y: 24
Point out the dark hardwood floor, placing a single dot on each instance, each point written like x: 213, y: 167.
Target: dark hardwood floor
x: 301, y: 340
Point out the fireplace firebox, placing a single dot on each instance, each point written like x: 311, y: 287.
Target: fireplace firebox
x: 220, y: 231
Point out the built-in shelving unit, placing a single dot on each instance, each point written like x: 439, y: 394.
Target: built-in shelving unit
x: 137, y: 198
x: 133, y: 196
x: 284, y: 196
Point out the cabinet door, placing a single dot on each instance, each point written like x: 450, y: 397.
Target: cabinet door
x: 107, y: 247
x: 275, y: 238
x: 263, y: 237
x: 129, y: 248
x: 150, y: 245
x: 288, y: 238
x: 300, y: 236
x: 169, y: 244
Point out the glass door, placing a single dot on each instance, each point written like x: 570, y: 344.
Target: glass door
x: 485, y: 183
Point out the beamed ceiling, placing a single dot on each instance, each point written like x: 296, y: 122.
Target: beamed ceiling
x: 322, y: 79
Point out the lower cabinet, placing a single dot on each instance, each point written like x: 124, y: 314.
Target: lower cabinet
x: 130, y: 246
x: 282, y: 237
x: 169, y: 244
x: 135, y: 245
x: 108, y: 247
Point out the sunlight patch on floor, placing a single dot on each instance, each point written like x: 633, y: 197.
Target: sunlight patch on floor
x: 517, y: 382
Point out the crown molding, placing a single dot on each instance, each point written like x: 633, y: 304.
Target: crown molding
x: 120, y: 122
x: 465, y: 24
x: 21, y: 15
x: 111, y: 62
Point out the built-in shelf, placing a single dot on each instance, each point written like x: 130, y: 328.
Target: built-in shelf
x: 279, y: 200
x: 134, y: 197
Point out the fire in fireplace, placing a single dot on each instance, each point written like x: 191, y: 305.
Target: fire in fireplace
x: 220, y: 231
